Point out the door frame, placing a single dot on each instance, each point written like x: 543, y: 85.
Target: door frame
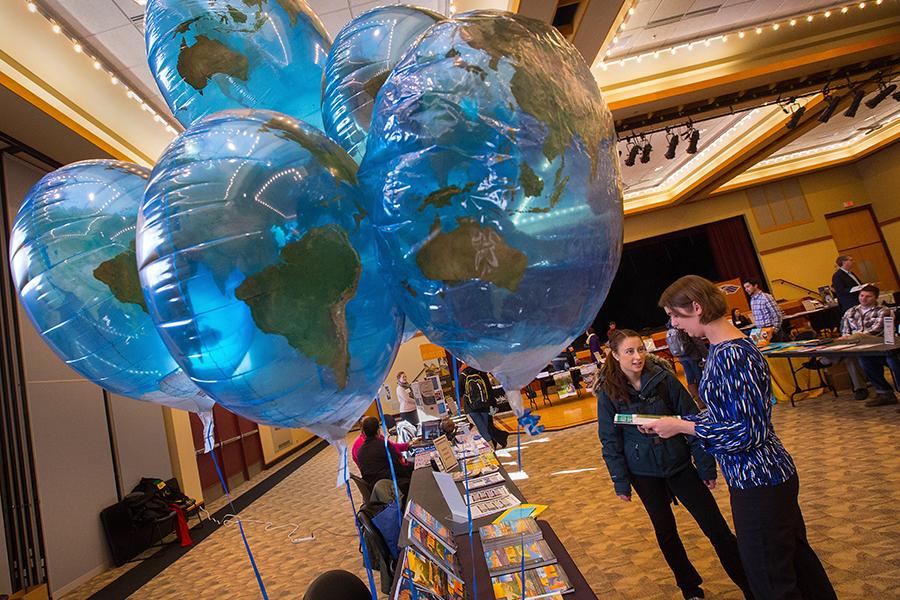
x: 868, y: 207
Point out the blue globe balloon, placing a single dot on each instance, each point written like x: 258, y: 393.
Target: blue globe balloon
x: 409, y: 331
x: 212, y: 55
x: 361, y: 58
x: 258, y: 262
x: 72, y: 257
x: 492, y: 173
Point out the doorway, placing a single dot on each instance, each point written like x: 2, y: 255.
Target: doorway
x: 856, y: 233
x: 237, y: 448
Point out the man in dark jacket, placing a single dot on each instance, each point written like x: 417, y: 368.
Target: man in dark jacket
x: 843, y: 280
x: 373, y: 459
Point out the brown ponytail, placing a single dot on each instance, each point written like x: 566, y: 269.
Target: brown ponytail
x: 615, y: 383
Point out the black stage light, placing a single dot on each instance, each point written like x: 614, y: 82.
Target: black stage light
x: 833, y: 102
x: 645, y: 153
x: 881, y: 95
x: 632, y: 155
x: 858, y: 95
x: 795, y: 118
x: 693, y: 140
x: 673, y: 143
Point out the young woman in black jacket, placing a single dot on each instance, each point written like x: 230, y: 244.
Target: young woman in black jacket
x: 660, y: 470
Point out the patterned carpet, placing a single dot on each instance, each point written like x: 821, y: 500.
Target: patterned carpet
x: 850, y: 494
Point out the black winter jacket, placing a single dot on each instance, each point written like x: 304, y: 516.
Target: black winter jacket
x: 627, y: 451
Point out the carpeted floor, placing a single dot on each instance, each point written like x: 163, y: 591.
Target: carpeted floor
x: 850, y: 493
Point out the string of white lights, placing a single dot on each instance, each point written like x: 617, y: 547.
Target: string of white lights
x: 757, y: 29
x: 78, y: 47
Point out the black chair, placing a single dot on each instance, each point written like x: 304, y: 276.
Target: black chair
x: 363, y: 486
x: 379, y: 553
x: 193, y: 511
x: 337, y: 585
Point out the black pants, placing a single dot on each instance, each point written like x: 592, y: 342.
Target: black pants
x: 411, y: 417
x: 656, y: 495
x: 772, y: 539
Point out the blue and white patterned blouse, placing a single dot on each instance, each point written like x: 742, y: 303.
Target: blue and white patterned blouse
x: 737, y: 427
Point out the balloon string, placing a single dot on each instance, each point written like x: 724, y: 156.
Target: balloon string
x: 387, y: 451
x: 456, y: 383
x: 519, y: 446
x: 362, y: 541
x: 259, y: 581
x: 469, y: 518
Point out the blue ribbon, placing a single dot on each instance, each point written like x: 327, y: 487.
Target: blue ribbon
x: 529, y: 421
x: 519, y: 446
x: 522, y: 572
x: 259, y: 581
x: 456, y: 383
x: 471, y: 540
x: 362, y: 542
x: 387, y: 451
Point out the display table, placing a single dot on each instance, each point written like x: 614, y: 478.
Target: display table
x: 424, y: 491
x: 814, y: 349
x: 827, y: 317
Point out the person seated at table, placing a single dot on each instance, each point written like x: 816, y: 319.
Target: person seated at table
x: 660, y: 470
x: 360, y: 440
x: 449, y: 429
x: 739, y: 320
x: 374, y: 460
x: 867, y: 318
x: 766, y: 312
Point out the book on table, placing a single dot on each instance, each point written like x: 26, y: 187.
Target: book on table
x: 429, y: 545
x: 424, y: 517
x: 491, y: 493
x: 506, y: 532
x: 420, y: 572
x: 494, y: 505
x: 516, y: 555
x: 480, y: 465
x: 541, y: 582
x: 485, y: 481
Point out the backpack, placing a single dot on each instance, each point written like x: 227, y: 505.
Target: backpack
x: 477, y: 392
x: 678, y: 342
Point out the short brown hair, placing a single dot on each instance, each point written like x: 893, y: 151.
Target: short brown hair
x: 692, y: 288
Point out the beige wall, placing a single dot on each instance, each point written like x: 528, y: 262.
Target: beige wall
x: 874, y: 180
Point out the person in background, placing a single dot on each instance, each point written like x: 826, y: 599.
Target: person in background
x: 374, y: 460
x: 593, y: 342
x: 448, y: 428
x: 690, y: 352
x: 408, y: 410
x: 398, y: 447
x: 478, y: 399
x: 658, y: 469
x: 737, y: 429
x: 337, y: 585
x: 843, y: 280
x: 867, y: 318
x: 570, y: 357
x: 612, y: 328
x: 765, y: 310
x: 739, y: 320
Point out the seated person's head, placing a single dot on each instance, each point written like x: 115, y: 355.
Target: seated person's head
x: 868, y: 296
x: 370, y: 426
x: 337, y: 585
x: 448, y: 426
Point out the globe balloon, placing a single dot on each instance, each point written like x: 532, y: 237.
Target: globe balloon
x: 361, y: 58
x: 258, y: 262
x: 211, y: 55
x: 72, y: 257
x: 492, y: 176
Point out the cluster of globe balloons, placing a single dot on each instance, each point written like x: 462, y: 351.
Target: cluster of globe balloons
x: 456, y: 176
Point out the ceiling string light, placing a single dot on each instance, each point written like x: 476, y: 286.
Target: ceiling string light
x: 689, y: 45
x: 79, y: 47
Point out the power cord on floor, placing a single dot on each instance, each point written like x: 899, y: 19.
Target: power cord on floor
x: 271, y: 526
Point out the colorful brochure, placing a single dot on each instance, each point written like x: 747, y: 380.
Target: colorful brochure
x: 506, y: 532
x: 506, y: 559
x: 541, y: 582
x: 432, y: 547
x: 522, y: 511
x: 428, y: 520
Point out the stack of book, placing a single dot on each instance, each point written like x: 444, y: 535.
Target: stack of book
x: 512, y: 548
x: 429, y: 563
x: 479, y: 465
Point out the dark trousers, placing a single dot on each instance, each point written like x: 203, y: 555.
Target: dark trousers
x: 656, y: 495
x: 873, y: 367
x: 772, y: 539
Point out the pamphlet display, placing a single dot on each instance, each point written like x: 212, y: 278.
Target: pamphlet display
x: 541, y: 582
x: 427, y: 577
x: 485, y: 481
x: 505, y: 532
x: 502, y: 560
x: 424, y: 517
x: 446, y: 454
x: 435, y: 550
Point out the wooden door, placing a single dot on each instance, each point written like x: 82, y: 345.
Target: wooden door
x: 237, y: 449
x: 857, y: 234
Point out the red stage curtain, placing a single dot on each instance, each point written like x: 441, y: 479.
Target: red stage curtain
x: 733, y: 250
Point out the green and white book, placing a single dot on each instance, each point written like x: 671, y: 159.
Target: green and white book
x: 636, y: 419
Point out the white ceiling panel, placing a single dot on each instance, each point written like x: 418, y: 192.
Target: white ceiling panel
x: 130, y: 7
x: 334, y: 21
x: 126, y: 43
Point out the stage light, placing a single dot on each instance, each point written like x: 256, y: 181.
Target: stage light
x: 795, y: 118
x: 632, y: 155
x: 693, y: 140
x: 645, y: 153
x: 833, y: 102
x: 883, y: 93
x: 858, y: 96
x: 673, y: 143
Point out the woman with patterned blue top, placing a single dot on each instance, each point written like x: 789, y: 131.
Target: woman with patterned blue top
x: 737, y: 429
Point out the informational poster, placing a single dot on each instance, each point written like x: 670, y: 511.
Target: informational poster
x: 564, y: 386
x: 429, y: 397
x: 437, y: 371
